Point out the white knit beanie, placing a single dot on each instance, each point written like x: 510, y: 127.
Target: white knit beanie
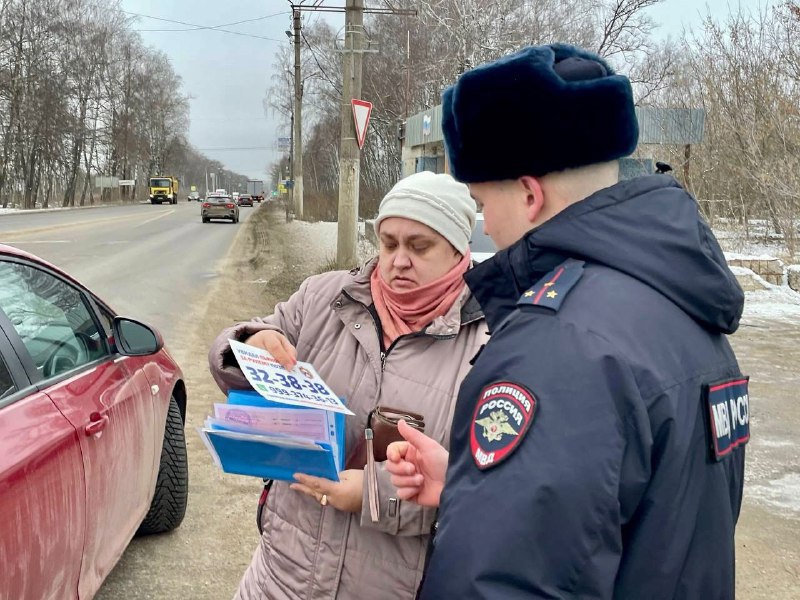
x: 438, y: 201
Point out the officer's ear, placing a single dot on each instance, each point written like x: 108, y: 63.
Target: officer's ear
x: 534, y: 197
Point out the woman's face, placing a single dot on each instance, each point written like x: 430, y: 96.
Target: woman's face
x: 413, y: 254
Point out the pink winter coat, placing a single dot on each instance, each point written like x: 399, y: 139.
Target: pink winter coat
x: 312, y: 552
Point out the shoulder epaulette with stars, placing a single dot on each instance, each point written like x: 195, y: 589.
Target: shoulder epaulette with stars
x: 551, y: 289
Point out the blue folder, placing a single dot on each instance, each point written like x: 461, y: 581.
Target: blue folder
x: 260, y: 458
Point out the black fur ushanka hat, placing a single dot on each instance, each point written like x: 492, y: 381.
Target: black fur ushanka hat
x: 540, y: 110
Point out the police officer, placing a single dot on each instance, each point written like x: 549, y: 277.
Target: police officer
x: 597, y: 446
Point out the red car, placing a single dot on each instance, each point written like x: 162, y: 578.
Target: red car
x: 92, y: 447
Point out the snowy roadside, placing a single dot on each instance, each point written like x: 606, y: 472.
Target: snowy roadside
x: 4, y: 212
x: 776, y: 303
x: 322, y: 235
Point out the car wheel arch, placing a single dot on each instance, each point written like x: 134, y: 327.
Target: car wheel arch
x: 179, y: 393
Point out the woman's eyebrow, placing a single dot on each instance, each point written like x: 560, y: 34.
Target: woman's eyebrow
x: 419, y: 237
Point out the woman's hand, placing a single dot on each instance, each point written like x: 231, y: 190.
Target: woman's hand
x: 276, y: 344
x: 344, y: 495
x: 418, y: 466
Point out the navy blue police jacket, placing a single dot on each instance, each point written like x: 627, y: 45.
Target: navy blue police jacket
x: 597, y: 448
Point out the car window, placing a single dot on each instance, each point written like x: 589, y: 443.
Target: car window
x: 51, y: 317
x: 480, y: 242
x: 7, y: 386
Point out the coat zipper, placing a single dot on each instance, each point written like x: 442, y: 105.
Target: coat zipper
x: 378, y: 329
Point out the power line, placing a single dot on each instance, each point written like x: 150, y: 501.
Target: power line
x: 216, y: 27
x: 195, y: 27
x: 322, y: 70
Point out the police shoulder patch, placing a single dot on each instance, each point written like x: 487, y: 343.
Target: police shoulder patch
x: 728, y: 415
x: 503, y: 415
x: 551, y: 289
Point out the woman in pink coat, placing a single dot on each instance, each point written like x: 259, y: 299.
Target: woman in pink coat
x: 399, y: 332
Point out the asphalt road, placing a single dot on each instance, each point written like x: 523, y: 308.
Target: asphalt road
x: 147, y: 261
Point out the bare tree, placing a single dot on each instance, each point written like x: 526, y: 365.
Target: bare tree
x: 419, y: 57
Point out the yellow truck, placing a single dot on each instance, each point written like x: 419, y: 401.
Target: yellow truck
x: 163, y: 189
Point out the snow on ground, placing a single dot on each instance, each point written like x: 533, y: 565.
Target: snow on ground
x: 754, y: 254
x: 776, y: 302
x: 761, y: 244
x: 324, y: 234
x: 18, y: 211
x: 783, y: 493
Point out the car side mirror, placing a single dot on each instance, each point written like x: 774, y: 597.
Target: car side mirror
x: 134, y: 338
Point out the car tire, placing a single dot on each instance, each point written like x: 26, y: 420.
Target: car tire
x: 205, y: 220
x: 172, y: 485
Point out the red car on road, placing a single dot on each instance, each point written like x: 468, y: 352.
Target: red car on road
x: 92, y: 447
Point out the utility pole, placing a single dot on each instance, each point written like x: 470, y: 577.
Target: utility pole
x: 297, y: 158
x: 349, y: 152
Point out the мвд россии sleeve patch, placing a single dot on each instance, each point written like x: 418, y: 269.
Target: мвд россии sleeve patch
x: 728, y: 415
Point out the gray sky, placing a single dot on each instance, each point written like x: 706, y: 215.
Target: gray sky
x: 227, y: 75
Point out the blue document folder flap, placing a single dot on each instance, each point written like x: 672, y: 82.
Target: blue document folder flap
x: 248, y: 455
x: 261, y: 459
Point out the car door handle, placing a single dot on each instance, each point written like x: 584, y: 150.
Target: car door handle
x: 97, y: 425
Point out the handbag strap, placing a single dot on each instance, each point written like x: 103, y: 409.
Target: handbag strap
x: 262, y: 504
x: 372, y: 479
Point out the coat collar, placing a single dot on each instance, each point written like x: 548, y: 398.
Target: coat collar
x: 497, y: 283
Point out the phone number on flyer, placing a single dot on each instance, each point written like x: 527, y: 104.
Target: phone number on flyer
x: 271, y: 389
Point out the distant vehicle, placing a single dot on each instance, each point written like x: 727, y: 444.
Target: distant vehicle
x: 221, y: 192
x: 194, y: 196
x: 219, y: 206
x: 255, y: 187
x: 163, y: 189
x: 92, y: 445
x: 245, y: 200
x: 481, y: 245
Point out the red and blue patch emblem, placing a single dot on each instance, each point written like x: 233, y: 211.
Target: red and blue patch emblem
x: 729, y: 415
x: 503, y: 415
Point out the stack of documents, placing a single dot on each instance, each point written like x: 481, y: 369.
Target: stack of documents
x: 291, y: 423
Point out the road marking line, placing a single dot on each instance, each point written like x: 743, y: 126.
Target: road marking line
x: 156, y: 218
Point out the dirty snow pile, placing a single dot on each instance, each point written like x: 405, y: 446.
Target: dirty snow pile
x: 775, y: 302
x: 323, y: 234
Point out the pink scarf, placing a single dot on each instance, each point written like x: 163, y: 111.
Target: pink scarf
x: 412, y: 310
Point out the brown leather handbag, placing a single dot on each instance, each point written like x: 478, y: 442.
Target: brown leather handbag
x: 382, y: 420
x: 381, y: 431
